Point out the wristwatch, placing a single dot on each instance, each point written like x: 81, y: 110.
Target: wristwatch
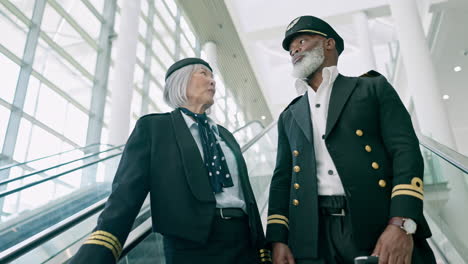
x: 406, y: 224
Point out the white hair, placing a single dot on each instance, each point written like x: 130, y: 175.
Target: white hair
x: 310, y: 63
x: 175, y: 90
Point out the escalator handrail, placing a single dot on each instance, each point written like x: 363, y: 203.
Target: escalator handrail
x: 25, y: 246
x: 258, y: 137
x: 451, y: 156
x: 249, y: 124
x: 59, y: 165
x: 5, y: 193
x: 50, y: 156
x: 42, y: 237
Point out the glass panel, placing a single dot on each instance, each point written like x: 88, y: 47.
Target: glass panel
x: 87, y: 20
x: 165, y: 15
x: 62, y: 33
x: 99, y: 5
x: 10, y: 72
x: 22, y: 144
x: 158, y: 71
x: 261, y: 161
x: 51, y: 109
x: 162, y: 53
x: 26, y: 6
x: 156, y: 95
x: 164, y: 33
x: 76, y: 125
x: 57, y: 199
x: 62, y: 74
x: 186, y: 47
x: 136, y: 104
x: 15, y: 30
x: 152, y: 247
x: 172, y: 6
x: 42, y: 144
x: 185, y: 28
x: 4, y: 117
x: 444, y: 187
x: 30, y: 102
x: 142, y: 26
x: 144, y: 7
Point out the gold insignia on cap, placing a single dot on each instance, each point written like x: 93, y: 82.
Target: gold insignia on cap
x: 294, y: 22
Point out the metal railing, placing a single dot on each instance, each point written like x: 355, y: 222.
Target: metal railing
x: 135, y: 237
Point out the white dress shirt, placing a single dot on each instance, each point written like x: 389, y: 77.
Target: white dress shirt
x: 231, y: 197
x: 328, y: 180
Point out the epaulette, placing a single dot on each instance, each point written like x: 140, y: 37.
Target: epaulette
x: 293, y: 102
x: 371, y: 74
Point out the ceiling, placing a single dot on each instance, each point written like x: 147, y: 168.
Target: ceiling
x: 254, y: 29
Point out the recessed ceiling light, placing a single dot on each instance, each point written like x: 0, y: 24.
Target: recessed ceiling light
x: 445, y: 97
x: 457, y: 68
x: 263, y: 117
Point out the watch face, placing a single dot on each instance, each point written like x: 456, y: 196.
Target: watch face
x: 409, y: 226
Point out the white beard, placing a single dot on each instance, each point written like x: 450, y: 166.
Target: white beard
x: 310, y: 63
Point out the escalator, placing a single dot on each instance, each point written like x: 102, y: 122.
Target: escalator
x: 37, y: 200
x: 60, y: 238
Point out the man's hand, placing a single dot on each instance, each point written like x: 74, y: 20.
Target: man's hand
x: 394, y: 246
x: 282, y: 254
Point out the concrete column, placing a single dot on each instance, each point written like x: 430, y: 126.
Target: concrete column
x: 211, y: 51
x: 361, y: 25
x: 421, y: 74
x: 122, y: 85
x: 431, y: 112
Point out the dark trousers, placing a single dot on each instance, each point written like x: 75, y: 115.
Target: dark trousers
x: 228, y: 243
x: 336, y: 242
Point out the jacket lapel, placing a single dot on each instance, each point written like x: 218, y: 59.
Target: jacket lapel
x: 195, y: 171
x: 342, y: 89
x: 242, y: 167
x: 301, y: 113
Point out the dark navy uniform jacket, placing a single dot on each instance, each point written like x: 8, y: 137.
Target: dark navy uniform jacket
x: 162, y: 158
x: 371, y: 140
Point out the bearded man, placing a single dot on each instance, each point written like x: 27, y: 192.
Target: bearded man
x: 348, y: 176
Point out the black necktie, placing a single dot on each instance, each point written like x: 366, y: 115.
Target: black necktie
x: 215, y: 161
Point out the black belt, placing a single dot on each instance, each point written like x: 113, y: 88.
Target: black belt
x: 332, y: 205
x: 229, y: 213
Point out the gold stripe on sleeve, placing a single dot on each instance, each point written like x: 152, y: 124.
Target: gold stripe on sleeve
x: 277, y: 221
x: 409, y: 193
x: 105, y: 244
x: 277, y: 216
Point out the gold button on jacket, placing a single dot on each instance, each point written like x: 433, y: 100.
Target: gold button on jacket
x: 359, y: 133
x: 297, y: 186
x: 297, y: 168
x: 368, y: 148
x: 295, y: 202
x: 375, y: 165
x: 295, y: 153
x: 382, y: 183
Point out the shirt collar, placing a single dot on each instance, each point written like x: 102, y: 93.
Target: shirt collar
x: 190, y: 122
x: 329, y: 75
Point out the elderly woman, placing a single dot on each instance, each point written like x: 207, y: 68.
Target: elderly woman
x: 201, y: 198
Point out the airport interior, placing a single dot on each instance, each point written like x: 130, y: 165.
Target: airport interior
x: 77, y: 75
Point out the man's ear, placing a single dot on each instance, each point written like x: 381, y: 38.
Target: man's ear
x: 330, y: 44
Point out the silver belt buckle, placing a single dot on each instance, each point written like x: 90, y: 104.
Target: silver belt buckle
x: 222, y: 215
x: 342, y: 213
